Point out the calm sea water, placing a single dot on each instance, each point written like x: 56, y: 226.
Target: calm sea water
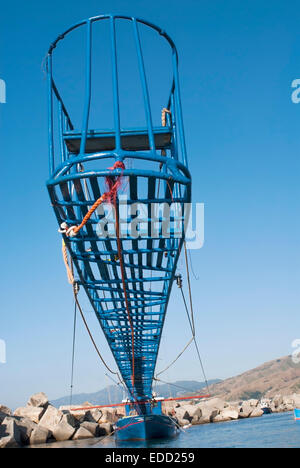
x: 269, y: 431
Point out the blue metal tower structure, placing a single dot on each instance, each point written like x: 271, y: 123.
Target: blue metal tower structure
x: 156, y: 171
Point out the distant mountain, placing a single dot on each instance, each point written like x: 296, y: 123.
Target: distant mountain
x: 280, y: 376
x: 114, y: 394
x: 271, y: 378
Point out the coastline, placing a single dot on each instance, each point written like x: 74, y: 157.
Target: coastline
x: 39, y: 422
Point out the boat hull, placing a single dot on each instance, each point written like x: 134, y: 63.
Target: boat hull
x: 297, y: 414
x: 146, y: 427
x: 266, y: 410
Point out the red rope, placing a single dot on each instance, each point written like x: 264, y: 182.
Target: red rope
x: 120, y: 255
x: 192, y: 397
x: 113, y: 183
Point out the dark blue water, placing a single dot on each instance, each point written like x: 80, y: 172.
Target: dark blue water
x: 269, y: 431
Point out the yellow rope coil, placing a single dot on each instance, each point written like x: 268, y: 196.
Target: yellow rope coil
x: 66, y: 262
x: 164, y: 113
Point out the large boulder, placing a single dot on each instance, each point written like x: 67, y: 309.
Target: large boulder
x: 210, y: 409
x: 277, y: 400
x: 230, y: 413
x: 221, y: 418
x: 5, y: 410
x: 109, y: 415
x: 26, y: 426
x: 39, y: 400
x: 30, y: 412
x: 10, y: 434
x: 216, y: 403
x: 2, y: 416
x: 65, y: 429
x: 256, y: 413
x: 192, y: 413
x: 227, y: 414
x: 93, y: 427
x: 39, y: 435
x: 283, y: 408
x: 245, y: 410
x: 51, y: 418
x: 274, y: 409
x: 288, y: 400
x: 296, y: 398
x: 105, y: 429
x: 185, y: 402
x: 95, y: 414
x: 253, y: 402
x: 207, y: 415
x: 180, y: 414
x: 82, y: 433
x: 288, y: 407
x: 70, y: 419
x: 81, y: 414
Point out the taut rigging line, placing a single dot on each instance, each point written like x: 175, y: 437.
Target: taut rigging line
x: 191, y: 320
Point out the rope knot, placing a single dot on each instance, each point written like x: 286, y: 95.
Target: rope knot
x: 117, y: 165
x: 69, y: 231
x: 113, y: 183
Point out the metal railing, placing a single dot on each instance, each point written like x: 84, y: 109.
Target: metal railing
x: 173, y: 101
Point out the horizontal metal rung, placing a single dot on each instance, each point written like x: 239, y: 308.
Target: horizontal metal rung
x: 136, y: 139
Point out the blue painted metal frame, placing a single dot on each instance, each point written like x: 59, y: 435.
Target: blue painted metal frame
x: 74, y: 185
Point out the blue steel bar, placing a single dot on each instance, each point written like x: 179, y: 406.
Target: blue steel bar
x: 57, y: 95
x: 144, y: 85
x: 50, y: 116
x: 61, y: 131
x: 115, y: 84
x: 88, y: 79
x: 179, y: 109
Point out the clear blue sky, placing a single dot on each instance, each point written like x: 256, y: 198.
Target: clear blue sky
x: 237, y: 62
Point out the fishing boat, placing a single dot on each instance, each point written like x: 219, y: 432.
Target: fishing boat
x: 297, y: 414
x: 265, y: 406
x: 127, y: 274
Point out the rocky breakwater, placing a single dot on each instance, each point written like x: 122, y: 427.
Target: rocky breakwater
x: 282, y: 403
x: 211, y: 411
x: 215, y: 410
x: 39, y: 422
